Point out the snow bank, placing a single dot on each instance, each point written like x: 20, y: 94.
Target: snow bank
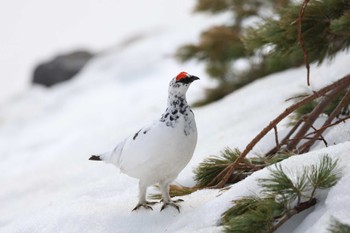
x: 48, y: 185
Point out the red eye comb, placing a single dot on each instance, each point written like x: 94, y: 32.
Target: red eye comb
x: 181, y: 75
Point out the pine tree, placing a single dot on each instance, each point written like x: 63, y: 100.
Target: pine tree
x: 324, y: 27
x: 220, y: 46
x: 275, y: 40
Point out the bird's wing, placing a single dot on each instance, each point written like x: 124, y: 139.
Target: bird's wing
x: 115, y: 155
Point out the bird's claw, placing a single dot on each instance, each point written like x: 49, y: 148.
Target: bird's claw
x: 166, y: 204
x: 147, y: 205
x: 144, y: 205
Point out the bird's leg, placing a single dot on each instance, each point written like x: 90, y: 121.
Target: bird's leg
x: 142, y: 198
x: 164, y: 188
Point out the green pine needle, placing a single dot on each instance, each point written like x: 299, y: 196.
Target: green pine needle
x: 252, y: 214
x: 240, y: 207
x: 279, y: 184
x: 282, y: 198
x: 324, y: 175
x: 212, y: 166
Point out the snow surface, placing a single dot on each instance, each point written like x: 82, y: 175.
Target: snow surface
x: 46, y: 137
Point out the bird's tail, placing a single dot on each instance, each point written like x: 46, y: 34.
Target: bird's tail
x: 95, y: 158
x: 111, y: 156
x: 108, y: 157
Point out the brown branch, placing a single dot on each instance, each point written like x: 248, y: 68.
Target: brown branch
x: 299, y: 208
x: 312, y: 118
x: 301, y: 40
x: 286, y: 138
x: 296, y: 97
x: 221, y: 179
x: 321, y: 137
x: 276, y: 137
x: 344, y: 101
x: 330, y: 125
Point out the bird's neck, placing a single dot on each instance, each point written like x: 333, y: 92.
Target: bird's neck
x: 177, y: 101
x: 177, y: 107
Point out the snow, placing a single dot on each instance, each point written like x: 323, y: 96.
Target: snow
x: 338, y: 200
x: 46, y: 137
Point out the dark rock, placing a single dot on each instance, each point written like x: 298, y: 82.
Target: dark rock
x: 61, y: 68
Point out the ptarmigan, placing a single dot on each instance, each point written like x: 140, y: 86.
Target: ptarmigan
x: 158, y: 152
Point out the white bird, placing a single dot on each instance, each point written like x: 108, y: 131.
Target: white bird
x: 158, y: 152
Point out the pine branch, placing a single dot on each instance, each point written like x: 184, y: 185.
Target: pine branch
x: 221, y: 179
x: 240, y: 207
x: 324, y: 127
x: 310, y: 115
x: 311, y: 118
x: 213, y: 166
x: 324, y: 175
x: 299, y: 208
x: 344, y: 102
x: 252, y: 214
x: 283, y: 187
x: 277, y: 205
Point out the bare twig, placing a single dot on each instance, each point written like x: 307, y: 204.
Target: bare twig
x: 345, y: 100
x: 330, y: 125
x: 276, y: 137
x: 301, y: 39
x: 296, y: 97
x: 286, y: 138
x: 321, y: 137
x: 312, y: 118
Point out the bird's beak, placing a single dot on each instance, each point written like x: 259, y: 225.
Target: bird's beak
x: 193, y: 78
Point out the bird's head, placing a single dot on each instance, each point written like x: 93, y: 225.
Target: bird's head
x: 185, y: 78
x: 181, y: 82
